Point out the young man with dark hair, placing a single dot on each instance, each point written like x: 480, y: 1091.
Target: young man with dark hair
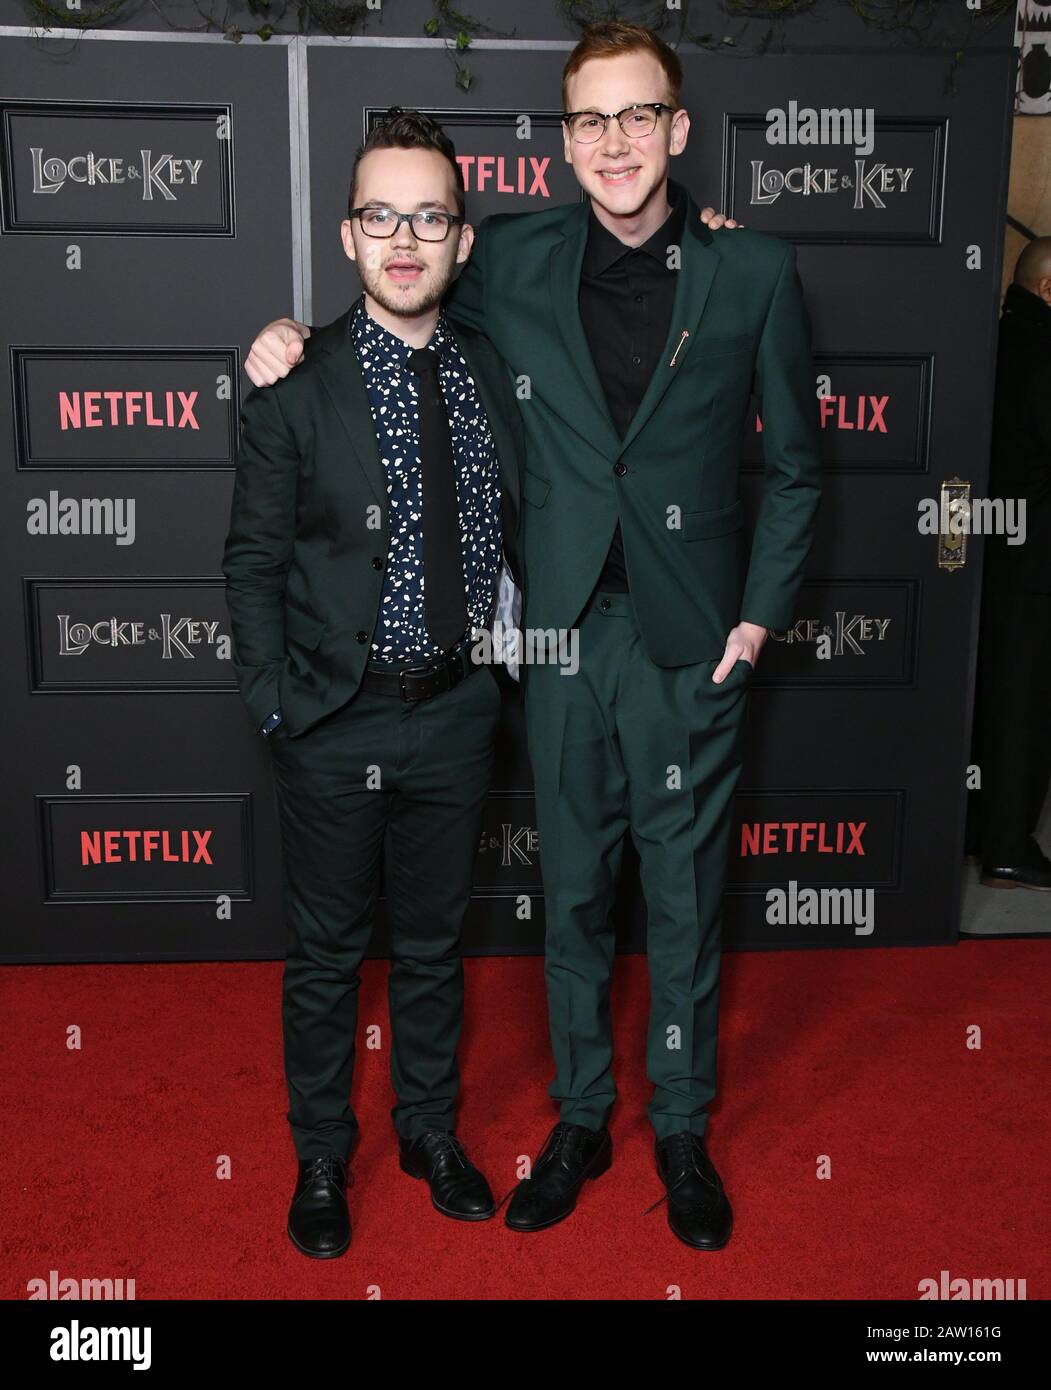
x: 642, y: 336
x: 375, y: 500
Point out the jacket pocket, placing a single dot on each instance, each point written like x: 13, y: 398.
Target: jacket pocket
x: 724, y: 346
x: 304, y: 629
x: 535, y: 488
x: 719, y: 521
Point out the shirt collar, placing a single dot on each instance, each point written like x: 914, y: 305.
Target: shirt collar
x: 604, y: 249
x: 390, y: 351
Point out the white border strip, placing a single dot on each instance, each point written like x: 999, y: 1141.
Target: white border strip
x: 299, y: 168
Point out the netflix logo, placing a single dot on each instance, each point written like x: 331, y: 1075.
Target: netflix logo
x: 873, y: 413
x: 134, y: 846
x: 143, y: 848
x: 511, y: 161
x: 524, y: 174
x: 848, y: 839
x: 125, y: 407
x: 849, y: 413
x: 788, y: 837
x: 85, y: 409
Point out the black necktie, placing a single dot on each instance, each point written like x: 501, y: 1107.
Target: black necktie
x: 444, y: 599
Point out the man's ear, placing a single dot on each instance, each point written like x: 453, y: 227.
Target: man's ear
x: 680, y: 129
x: 466, y: 242
x: 566, y: 142
x: 347, y: 235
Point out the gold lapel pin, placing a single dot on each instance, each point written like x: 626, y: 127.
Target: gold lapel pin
x: 685, y: 335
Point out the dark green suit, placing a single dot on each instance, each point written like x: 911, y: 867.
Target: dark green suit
x: 361, y: 778
x: 640, y: 738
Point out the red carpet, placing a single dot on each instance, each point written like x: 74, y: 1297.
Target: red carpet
x: 939, y: 1152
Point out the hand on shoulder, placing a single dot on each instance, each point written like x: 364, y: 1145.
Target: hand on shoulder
x: 714, y: 220
x: 276, y: 350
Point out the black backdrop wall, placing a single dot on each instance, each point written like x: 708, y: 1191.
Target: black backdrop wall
x: 165, y: 194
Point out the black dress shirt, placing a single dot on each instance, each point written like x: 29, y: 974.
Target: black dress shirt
x: 625, y: 300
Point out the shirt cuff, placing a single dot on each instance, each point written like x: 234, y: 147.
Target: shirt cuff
x: 270, y: 723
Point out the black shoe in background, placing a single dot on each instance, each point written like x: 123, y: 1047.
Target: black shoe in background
x: 1032, y: 870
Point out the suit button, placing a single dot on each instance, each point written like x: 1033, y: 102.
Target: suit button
x: 363, y: 636
x: 620, y: 469
x: 377, y: 563
x: 604, y: 605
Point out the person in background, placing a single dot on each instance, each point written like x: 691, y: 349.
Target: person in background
x: 1012, y: 726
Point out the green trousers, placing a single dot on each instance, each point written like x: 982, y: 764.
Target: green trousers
x: 625, y: 745
x: 400, y: 784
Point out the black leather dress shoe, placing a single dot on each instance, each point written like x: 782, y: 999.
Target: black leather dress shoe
x: 698, y: 1210
x: 1037, y: 876
x: 318, y: 1219
x: 571, y: 1155
x: 458, y: 1189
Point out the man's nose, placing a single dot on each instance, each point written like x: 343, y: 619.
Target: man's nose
x: 404, y: 236
x: 614, y: 141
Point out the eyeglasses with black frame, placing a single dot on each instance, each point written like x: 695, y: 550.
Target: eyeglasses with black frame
x: 588, y: 126
x: 426, y: 225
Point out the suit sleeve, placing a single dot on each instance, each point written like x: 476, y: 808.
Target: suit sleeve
x: 785, y: 386
x: 258, y: 550
x: 465, y: 301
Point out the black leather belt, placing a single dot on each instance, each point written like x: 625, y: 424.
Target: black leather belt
x: 421, y: 682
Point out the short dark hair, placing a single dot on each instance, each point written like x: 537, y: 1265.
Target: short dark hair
x: 409, y: 130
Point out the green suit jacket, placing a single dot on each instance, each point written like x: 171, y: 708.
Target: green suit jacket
x: 309, y: 533
x: 673, y: 479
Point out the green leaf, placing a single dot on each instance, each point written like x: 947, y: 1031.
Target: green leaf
x: 463, y: 40
x: 463, y: 78
x: 431, y: 28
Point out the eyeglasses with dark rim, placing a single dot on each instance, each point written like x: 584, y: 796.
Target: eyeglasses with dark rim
x: 589, y: 126
x: 425, y: 225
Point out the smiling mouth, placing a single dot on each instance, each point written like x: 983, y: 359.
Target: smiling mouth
x: 619, y: 175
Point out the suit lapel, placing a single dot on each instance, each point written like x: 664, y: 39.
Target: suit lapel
x: 587, y: 411
x: 482, y: 369
x: 694, y: 281
x: 341, y: 377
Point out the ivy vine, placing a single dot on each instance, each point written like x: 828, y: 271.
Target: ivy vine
x: 458, y: 30
x: 754, y: 25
